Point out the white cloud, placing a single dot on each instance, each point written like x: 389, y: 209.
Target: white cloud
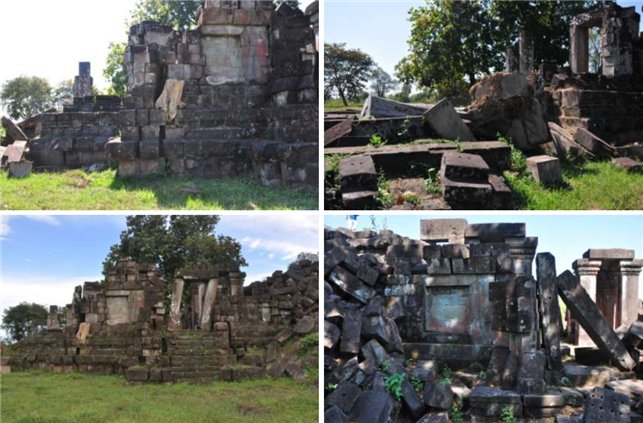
x: 44, y: 218
x: 4, y: 227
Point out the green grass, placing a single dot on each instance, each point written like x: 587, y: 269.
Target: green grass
x: 80, y: 190
x: 336, y: 104
x: 39, y: 397
x: 589, y: 186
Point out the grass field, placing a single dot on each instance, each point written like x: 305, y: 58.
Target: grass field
x: 588, y: 186
x: 43, y: 397
x: 80, y: 190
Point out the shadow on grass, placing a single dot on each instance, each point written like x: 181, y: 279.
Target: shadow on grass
x: 226, y: 193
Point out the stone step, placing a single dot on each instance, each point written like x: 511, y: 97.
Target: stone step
x: 357, y: 173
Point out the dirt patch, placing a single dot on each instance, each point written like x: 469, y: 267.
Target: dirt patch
x: 248, y: 410
x: 77, y: 180
x: 411, y: 194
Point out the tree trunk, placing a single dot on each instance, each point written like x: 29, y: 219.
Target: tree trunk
x: 343, y: 97
x: 472, y: 79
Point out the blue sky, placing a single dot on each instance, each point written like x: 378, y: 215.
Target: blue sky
x: 43, y: 256
x: 380, y: 28
x: 567, y: 237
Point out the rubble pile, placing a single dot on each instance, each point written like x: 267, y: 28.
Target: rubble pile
x: 454, y: 327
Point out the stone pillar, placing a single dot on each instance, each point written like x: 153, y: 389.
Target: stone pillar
x: 511, y: 59
x: 630, y: 271
x: 175, y: 308
x: 587, y: 270
x: 83, y: 82
x: 208, y: 303
x: 197, y: 291
x: 579, y: 49
x: 522, y: 251
x: 53, y: 322
x: 235, y: 284
x: 526, y: 52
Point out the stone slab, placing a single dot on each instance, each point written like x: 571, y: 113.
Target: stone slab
x: 351, y: 332
x: 549, y: 309
x: 359, y: 200
x: 357, y: 173
x: 20, y: 169
x: 443, y: 230
x: 379, y: 107
x: 372, y: 407
x: 344, y: 396
x: 609, y: 254
x: 603, y: 405
x: 592, y: 320
x: 15, y: 151
x: 463, y: 167
x: 593, y: 143
x: 13, y: 131
x: 338, y: 131
x: 446, y: 122
x: 495, y: 232
x: 466, y: 195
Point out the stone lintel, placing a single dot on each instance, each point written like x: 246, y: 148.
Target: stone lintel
x: 587, y: 266
x: 609, y: 254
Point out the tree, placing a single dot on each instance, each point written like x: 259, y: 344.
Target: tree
x: 174, y: 242
x: 450, y: 40
x: 23, y: 320
x: 63, y: 93
x: 114, y: 70
x: 346, y: 71
x: 26, y: 96
x: 382, y: 82
x: 180, y: 14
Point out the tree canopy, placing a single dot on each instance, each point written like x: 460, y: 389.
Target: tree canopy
x: 454, y: 43
x: 178, y: 13
x: 174, y: 242
x: 382, y: 82
x: 23, y: 319
x: 26, y: 96
x: 346, y: 71
x: 114, y: 70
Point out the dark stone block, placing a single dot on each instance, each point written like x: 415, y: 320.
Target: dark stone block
x: 437, y: 395
x: 372, y: 407
x: 344, y: 396
x: 412, y: 401
x: 335, y: 415
x: 331, y: 335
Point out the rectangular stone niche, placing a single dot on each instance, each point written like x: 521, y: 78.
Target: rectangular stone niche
x: 447, y: 309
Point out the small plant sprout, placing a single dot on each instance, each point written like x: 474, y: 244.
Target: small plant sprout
x: 394, y: 384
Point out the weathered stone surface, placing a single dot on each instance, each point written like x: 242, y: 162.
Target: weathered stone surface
x: 495, y: 232
x: 20, y: 169
x: 344, y: 396
x: 603, y: 405
x: 437, y: 395
x: 463, y: 167
x: 589, y: 316
x: 335, y: 415
x: 379, y: 107
x: 549, y: 309
x: 545, y: 169
x: 331, y: 335
x: 609, y: 254
x: 446, y: 122
x: 411, y: 400
x: 466, y: 195
x: 13, y: 131
x: 431, y: 418
x: 341, y: 129
x: 350, y: 284
x: 374, y: 355
x: 372, y: 407
x: 531, y: 373
x: 489, y: 402
x: 593, y: 143
x: 351, y: 332
x: 630, y: 165
x: 357, y: 173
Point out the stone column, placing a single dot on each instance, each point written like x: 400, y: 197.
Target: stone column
x: 630, y: 271
x: 587, y: 270
x: 235, y: 284
x: 523, y: 251
x: 53, y: 322
x: 579, y: 49
x: 175, y: 308
x: 526, y: 52
x: 208, y: 303
x: 198, y: 291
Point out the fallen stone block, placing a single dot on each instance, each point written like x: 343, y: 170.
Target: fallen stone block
x: 630, y: 165
x: 502, y: 195
x: 412, y: 401
x: 545, y: 169
x: 20, y: 169
x: 603, y: 406
x: 351, y: 332
x: 463, y: 167
x: 379, y: 107
x: 338, y: 131
x: 443, y: 230
x: 16, y: 151
x: 374, y: 355
x: 13, y: 131
x: 489, y: 402
x: 331, y: 335
x: 437, y: 395
x: 564, y: 142
x: 594, y: 144
x: 466, y: 195
x: 351, y: 285
x: 531, y: 373
x: 542, y: 406
x: 335, y: 415
x: 434, y: 418
x: 592, y: 320
x: 344, y: 396
x: 372, y: 407
x: 357, y: 173
x: 446, y: 122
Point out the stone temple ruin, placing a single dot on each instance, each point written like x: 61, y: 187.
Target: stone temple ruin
x: 547, y: 112
x: 214, y: 329
x: 455, y: 323
x: 237, y: 96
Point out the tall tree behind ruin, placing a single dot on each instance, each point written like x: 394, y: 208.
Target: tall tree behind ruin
x: 26, y: 96
x: 174, y: 242
x: 346, y: 71
x: 23, y: 319
x: 470, y: 38
x: 381, y: 82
